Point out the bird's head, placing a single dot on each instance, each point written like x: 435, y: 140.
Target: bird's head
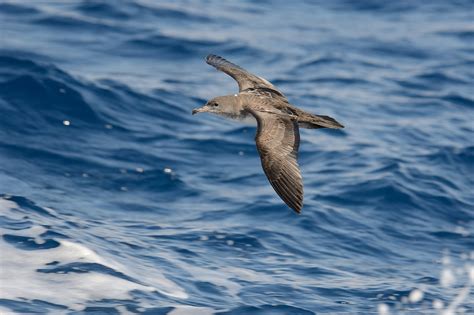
x: 221, y: 105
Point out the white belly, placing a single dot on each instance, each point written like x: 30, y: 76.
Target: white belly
x: 247, y: 119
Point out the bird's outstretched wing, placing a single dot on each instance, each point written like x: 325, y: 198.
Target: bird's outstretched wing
x: 278, y: 141
x: 245, y: 79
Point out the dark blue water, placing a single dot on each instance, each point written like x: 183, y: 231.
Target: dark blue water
x: 115, y: 200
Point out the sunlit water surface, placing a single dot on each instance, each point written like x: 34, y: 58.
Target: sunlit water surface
x: 114, y: 199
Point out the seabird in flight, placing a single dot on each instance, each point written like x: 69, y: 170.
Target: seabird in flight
x: 278, y: 125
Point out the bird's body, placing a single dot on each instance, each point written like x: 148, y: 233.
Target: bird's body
x: 278, y: 126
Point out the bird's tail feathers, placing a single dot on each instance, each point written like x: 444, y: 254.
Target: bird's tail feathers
x: 320, y: 121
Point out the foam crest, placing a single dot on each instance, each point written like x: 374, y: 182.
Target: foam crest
x: 67, y: 273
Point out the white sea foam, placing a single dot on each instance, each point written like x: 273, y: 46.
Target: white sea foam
x: 416, y: 296
x: 450, y: 277
x: 185, y: 310
x: 383, y: 309
x: 19, y: 278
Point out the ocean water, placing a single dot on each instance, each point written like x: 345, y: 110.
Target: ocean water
x: 114, y: 199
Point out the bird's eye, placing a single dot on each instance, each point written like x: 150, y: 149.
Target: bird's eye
x: 215, y: 104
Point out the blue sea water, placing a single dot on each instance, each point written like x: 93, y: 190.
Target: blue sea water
x: 115, y: 200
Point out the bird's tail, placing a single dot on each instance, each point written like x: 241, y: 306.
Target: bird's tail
x: 319, y: 121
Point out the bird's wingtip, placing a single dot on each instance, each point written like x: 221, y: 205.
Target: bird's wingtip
x: 211, y: 56
x: 213, y: 60
x: 296, y: 207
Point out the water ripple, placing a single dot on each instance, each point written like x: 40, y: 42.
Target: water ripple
x: 115, y: 199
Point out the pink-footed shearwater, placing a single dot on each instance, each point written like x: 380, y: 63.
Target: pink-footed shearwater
x: 278, y: 125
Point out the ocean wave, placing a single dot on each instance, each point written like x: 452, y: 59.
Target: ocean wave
x: 116, y: 199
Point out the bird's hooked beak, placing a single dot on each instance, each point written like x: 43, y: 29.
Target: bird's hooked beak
x: 199, y: 110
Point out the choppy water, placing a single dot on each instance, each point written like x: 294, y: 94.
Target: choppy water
x: 116, y: 200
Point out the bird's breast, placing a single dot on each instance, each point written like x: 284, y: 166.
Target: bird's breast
x: 243, y: 117
x: 247, y: 118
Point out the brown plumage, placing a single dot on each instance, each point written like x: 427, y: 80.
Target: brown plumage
x: 278, y: 127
